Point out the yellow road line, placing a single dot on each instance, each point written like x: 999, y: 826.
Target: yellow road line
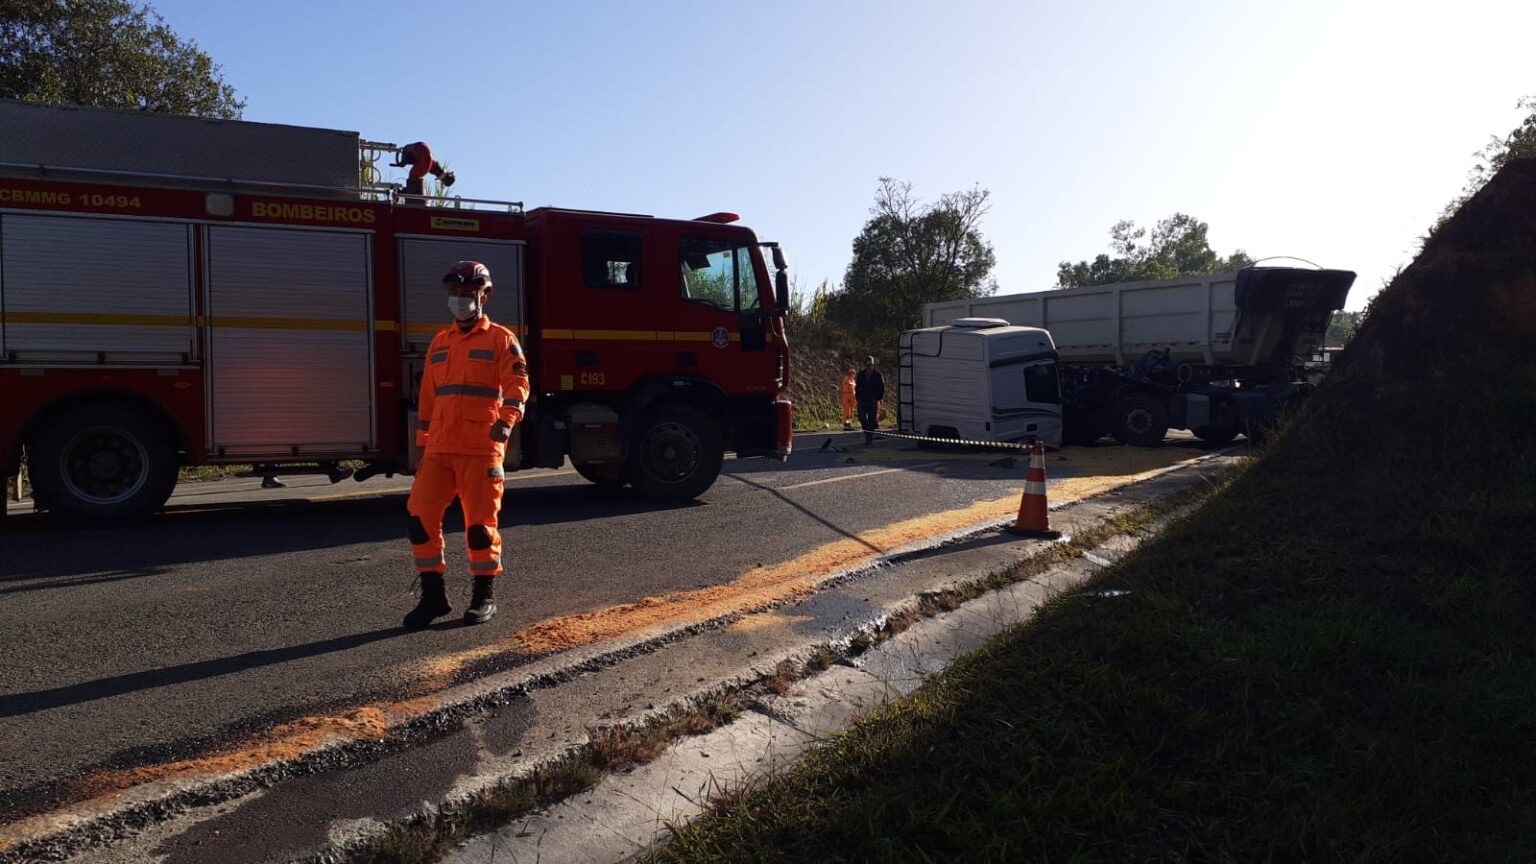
x: 762, y: 586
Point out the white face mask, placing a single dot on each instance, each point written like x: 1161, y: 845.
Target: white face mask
x: 463, y: 308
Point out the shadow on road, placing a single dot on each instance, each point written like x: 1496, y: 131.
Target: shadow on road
x: 807, y: 511
x: 36, y: 556
x: 15, y: 704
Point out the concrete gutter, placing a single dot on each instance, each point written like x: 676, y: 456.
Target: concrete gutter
x: 628, y: 814
x: 506, y: 725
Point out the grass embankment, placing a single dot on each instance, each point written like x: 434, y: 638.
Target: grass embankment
x: 813, y: 387
x: 1333, y: 659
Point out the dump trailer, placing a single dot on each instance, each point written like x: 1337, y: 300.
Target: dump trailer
x: 1219, y: 355
x: 178, y: 291
x: 979, y: 379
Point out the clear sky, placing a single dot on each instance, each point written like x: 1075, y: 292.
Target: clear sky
x: 1334, y: 131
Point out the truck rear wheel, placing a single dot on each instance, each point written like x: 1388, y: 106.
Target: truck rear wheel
x: 676, y: 455
x: 1141, y: 419
x: 103, y: 463
x: 1218, y: 436
x: 603, y: 474
x: 1080, y: 434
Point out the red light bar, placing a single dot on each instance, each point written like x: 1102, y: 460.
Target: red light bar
x: 721, y: 218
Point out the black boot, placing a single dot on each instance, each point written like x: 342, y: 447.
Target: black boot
x: 481, y: 604
x: 433, y: 602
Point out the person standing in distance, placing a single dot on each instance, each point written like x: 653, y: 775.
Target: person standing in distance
x: 869, y: 388
x: 849, y: 403
x: 472, y: 395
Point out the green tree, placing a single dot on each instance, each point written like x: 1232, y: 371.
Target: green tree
x: 1520, y: 143
x: 106, y: 54
x: 910, y: 253
x: 1342, y: 327
x: 807, y: 310
x: 1178, y: 246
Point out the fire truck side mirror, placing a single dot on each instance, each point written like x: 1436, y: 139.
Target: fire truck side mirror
x: 778, y: 258
x: 781, y: 288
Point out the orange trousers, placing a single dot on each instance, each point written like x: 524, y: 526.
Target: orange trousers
x: 477, y: 481
x: 848, y: 408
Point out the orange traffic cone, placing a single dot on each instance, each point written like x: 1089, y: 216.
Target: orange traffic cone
x: 1034, y: 520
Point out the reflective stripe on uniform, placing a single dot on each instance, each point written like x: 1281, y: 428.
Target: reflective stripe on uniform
x: 509, y: 402
x: 484, y: 566
x: 431, y: 563
x: 423, y: 424
x: 481, y: 354
x: 440, y: 357
x: 467, y: 390
x: 516, y: 349
x: 497, y: 471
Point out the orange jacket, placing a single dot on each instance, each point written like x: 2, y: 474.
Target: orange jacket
x: 472, y: 380
x: 848, y: 388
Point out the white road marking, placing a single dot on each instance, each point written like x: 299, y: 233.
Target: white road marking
x: 366, y: 493
x: 859, y: 476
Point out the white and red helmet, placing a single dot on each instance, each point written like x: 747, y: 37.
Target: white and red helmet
x: 471, y: 273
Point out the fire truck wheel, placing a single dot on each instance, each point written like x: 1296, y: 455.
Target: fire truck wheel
x: 676, y: 455
x: 104, y: 463
x: 606, y: 475
x: 1141, y: 419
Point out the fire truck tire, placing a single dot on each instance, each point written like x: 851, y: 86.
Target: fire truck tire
x: 676, y: 455
x: 103, y: 464
x: 606, y: 475
x: 1141, y: 419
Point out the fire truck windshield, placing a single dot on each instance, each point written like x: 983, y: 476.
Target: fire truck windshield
x: 720, y: 273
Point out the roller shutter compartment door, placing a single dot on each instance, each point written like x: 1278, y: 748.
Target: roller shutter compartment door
x: 422, y: 265
x: 89, y: 290
x: 290, y: 342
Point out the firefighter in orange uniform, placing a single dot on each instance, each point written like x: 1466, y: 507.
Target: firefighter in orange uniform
x: 849, y: 403
x: 472, y: 395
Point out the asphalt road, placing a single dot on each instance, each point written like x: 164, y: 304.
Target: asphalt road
x: 242, y: 608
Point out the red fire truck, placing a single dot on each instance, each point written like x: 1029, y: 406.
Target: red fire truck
x: 154, y: 316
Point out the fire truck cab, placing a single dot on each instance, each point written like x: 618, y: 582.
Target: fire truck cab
x: 155, y: 318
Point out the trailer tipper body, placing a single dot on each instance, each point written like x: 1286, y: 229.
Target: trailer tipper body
x: 1219, y: 355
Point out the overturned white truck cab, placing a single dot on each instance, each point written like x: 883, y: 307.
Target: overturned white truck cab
x: 979, y: 379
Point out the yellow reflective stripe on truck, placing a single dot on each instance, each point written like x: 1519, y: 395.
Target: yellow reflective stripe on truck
x: 127, y: 319
x: 431, y: 329
x: 634, y: 335
x: 124, y: 320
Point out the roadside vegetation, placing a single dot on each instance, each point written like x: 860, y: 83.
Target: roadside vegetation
x: 1330, y: 660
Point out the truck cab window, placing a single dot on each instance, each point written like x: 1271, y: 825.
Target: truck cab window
x: 747, y: 281
x: 1041, y: 384
x: 718, y: 273
x: 610, y: 259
